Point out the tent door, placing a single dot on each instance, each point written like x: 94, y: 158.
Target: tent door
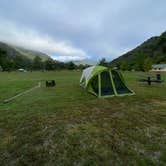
x: 106, y: 84
x: 120, y: 86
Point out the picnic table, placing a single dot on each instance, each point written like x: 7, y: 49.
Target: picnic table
x: 150, y: 79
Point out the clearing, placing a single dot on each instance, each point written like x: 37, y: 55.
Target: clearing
x: 66, y: 126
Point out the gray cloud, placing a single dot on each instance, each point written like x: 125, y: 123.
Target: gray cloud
x: 22, y: 36
x: 94, y: 28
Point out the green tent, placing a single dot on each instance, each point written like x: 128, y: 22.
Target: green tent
x: 103, y: 82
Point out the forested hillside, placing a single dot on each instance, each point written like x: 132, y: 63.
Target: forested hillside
x: 13, y: 58
x: 31, y: 54
x: 152, y: 51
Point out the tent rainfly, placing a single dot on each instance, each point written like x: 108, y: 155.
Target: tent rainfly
x: 103, y: 82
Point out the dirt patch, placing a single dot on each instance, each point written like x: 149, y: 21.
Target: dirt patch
x: 159, y: 102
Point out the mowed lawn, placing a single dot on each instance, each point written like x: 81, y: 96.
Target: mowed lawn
x: 66, y: 126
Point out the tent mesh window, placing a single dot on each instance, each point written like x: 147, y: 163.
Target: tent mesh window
x: 106, y: 85
x: 119, y: 84
x: 95, y: 85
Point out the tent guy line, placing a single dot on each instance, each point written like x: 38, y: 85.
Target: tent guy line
x: 23, y: 93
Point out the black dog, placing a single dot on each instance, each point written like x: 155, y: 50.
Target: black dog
x: 50, y: 83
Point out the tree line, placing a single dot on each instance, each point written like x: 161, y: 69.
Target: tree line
x: 141, y: 64
x: 15, y: 62
x: 8, y: 63
x: 50, y: 64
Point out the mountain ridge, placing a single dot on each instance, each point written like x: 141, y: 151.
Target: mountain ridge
x: 152, y: 51
x: 17, y: 50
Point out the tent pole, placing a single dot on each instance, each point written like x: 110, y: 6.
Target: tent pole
x: 113, y: 85
x: 99, y: 82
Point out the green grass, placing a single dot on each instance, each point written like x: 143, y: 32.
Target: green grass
x: 66, y: 126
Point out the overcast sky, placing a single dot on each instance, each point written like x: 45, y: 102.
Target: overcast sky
x: 81, y: 29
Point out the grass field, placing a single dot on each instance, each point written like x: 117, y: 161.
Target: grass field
x: 66, y: 126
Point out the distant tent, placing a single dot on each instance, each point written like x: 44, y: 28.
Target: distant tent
x: 103, y: 82
x: 21, y: 70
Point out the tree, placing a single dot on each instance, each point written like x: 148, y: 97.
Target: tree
x: 59, y: 65
x: 124, y: 66
x: 1, y: 69
x: 3, y: 58
x: 103, y: 62
x: 37, y: 63
x: 70, y: 66
x: 49, y: 64
x: 147, y: 65
x: 139, y: 61
x: 81, y: 66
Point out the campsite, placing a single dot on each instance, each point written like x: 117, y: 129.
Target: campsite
x: 82, y: 83
x: 68, y: 126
